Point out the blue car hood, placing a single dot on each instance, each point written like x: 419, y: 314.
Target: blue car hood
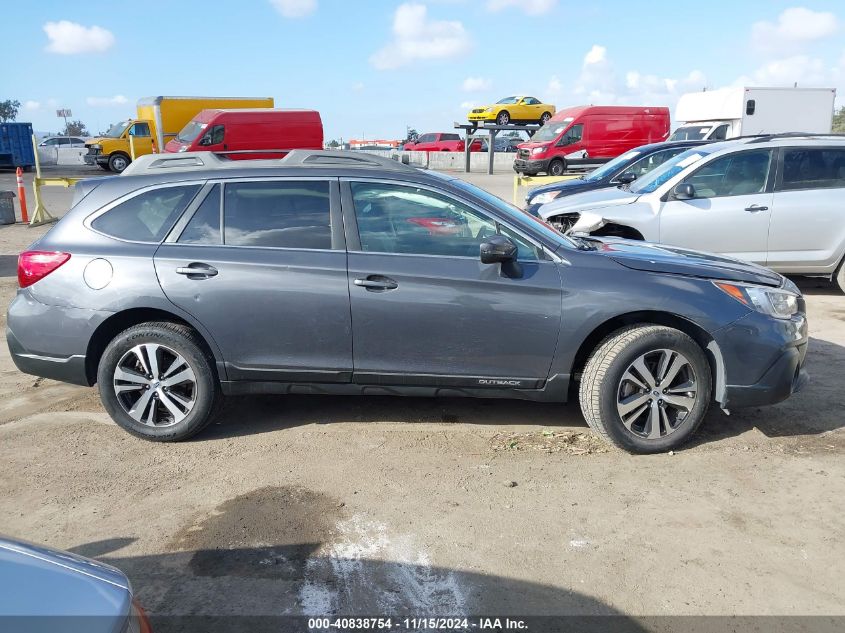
x: 39, y: 581
x: 660, y: 258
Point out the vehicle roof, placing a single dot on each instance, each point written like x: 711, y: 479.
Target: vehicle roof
x: 576, y: 111
x: 778, y: 140
x: 154, y: 169
x: 269, y: 111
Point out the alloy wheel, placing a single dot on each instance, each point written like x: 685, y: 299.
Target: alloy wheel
x: 656, y: 393
x: 155, y: 385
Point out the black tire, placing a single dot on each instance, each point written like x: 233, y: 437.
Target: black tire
x: 544, y: 118
x: 207, y: 395
x: 118, y: 162
x: 557, y: 167
x: 840, y: 276
x: 602, y: 382
x: 503, y: 118
x: 103, y: 167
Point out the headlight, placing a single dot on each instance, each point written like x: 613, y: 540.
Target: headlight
x: 538, y: 150
x: 543, y: 198
x: 488, y: 109
x: 775, y: 302
x: 184, y: 148
x: 95, y: 146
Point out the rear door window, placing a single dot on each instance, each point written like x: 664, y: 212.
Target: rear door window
x: 277, y: 214
x: 813, y: 168
x: 148, y: 216
x: 204, y: 227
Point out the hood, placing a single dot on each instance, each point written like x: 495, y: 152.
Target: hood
x: 567, y: 187
x: 587, y: 200
x: 100, y: 140
x: 41, y: 581
x: 533, y: 144
x: 660, y: 258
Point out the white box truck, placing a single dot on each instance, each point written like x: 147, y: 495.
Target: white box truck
x: 738, y: 111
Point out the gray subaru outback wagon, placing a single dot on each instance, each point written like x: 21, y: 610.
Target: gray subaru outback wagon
x: 192, y: 276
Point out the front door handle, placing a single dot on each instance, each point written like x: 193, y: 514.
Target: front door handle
x: 376, y: 283
x: 754, y: 208
x: 197, y: 270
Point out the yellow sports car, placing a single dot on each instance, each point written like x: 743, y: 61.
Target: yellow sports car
x: 512, y: 110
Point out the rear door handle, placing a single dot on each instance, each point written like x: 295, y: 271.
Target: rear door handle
x: 756, y: 207
x: 376, y: 283
x: 197, y: 270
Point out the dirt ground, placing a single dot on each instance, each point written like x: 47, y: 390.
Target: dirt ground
x: 332, y: 505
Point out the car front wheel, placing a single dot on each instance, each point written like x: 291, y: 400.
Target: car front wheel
x: 646, y: 388
x: 158, y: 382
x: 503, y: 118
x: 840, y: 276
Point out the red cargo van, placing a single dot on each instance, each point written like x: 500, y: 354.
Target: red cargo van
x: 587, y: 135
x: 240, y: 133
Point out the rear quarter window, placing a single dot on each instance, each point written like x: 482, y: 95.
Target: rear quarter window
x: 148, y: 216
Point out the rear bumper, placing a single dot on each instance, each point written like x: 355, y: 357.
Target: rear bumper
x: 764, y: 360
x: 50, y: 341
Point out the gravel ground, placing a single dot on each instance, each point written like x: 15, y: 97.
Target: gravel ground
x: 331, y: 505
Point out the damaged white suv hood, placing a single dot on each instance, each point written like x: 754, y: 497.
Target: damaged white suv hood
x: 587, y: 201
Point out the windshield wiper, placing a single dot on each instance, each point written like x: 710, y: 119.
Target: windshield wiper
x: 583, y: 243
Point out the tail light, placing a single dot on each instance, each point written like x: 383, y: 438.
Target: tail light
x: 35, y: 265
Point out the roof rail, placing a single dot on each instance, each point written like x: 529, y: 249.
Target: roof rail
x: 763, y: 138
x: 196, y: 161
x: 341, y: 158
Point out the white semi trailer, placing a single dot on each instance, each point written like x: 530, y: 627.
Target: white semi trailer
x: 738, y: 111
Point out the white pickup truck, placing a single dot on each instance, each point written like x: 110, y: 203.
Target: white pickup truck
x: 732, y: 112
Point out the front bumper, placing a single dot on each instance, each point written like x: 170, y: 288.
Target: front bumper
x: 95, y: 159
x: 531, y: 167
x: 763, y: 360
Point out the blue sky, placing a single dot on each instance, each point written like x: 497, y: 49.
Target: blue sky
x: 371, y: 67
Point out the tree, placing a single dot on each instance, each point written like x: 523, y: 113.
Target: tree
x: 412, y: 136
x: 9, y: 110
x: 839, y: 121
x: 75, y: 128
x: 334, y: 144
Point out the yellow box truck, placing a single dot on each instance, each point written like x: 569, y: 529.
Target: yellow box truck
x: 159, y: 120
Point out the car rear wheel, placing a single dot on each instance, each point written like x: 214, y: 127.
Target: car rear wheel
x: 545, y: 118
x: 158, y: 382
x: 557, y: 167
x: 118, y: 162
x: 503, y: 118
x: 646, y: 388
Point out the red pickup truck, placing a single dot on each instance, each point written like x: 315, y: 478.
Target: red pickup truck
x: 441, y: 142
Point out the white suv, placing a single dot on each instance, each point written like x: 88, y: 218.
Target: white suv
x: 774, y: 200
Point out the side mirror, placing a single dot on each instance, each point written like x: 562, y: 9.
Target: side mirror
x: 683, y: 191
x: 498, y: 249
x: 627, y: 178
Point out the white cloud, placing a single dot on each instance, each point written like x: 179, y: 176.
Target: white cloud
x: 295, y: 8
x: 468, y: 105
x: 530, y: 7
x: 596, y: 55
x: 98, y: 102
x: 416, y: 37
x: 806, y: 71
x: 70, y: 38
x: 476, y: 84
x: 601, y: 83
x: 794, y: 27
x: 358, y: 86
x: 31, y: 105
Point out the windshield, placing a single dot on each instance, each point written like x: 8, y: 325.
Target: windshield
x: 668, y: 170
x: 551, y: 130
x: 190, y: 131
x: 508, y: 100
x: 611, y: 166
x: 515, y: 212
x: 691, y: 133
x: 117, y: 130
